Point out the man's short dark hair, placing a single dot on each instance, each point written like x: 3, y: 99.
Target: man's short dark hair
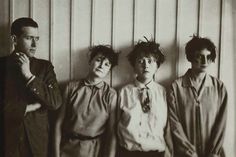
x: 106, y: 51
x: 197, y: 44
x: 18, y: 24
x: 146, y: 48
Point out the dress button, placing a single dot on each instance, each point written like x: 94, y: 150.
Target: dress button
x: 34, y: 89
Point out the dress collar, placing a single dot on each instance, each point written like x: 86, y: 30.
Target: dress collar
x: 141, y: 85
x: 98, y: 85
x: 187, y: 82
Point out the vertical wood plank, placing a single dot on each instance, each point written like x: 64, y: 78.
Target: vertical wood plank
x: 102, y: 22
x: 156, y: 21
x: 135, y: 3
x: 113, y: 19
x: 199, y: 30
x: 5, y: 24
x: 51, y: 30
x: 62, y: 40
x: 167, y: 39
x: 124, y: 38
x: 103, y: 25
x: 21, y: 9
x: 221, y: 38
x: 211, y: 28
x: 82, y: 37
x: 31, y: 9
x: 177, y: 38
x: 11, y: 11
x: 72, y: 39
x: 145, y: 23
x: 43, y: 48
x: 92, y: 25
x: 188, y: 27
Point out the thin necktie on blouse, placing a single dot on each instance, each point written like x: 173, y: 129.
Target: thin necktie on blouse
x: 145, y: 99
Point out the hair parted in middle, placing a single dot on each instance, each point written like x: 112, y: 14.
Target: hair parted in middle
x: 198, y: 43
x: 146, y: 48
x: 105, y: 50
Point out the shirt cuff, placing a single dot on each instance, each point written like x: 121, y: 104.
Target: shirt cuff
x: 30, y: 80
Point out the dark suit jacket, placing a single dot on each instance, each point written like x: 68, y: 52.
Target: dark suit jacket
x: 15, y: 94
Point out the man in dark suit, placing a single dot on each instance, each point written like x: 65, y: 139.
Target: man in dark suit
x: 28, y: 89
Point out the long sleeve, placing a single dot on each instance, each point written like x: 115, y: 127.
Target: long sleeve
x: 45, y: 89
x: 168, y: 139
x: 217, y: 135
x: 182, y: 146
x: 110, y: 145
x: 57, y: 129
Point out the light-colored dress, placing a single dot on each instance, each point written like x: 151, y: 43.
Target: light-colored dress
x: 197, y: 119
x: 88, y: 109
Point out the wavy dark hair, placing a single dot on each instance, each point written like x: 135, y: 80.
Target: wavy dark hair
x: 18, y: 24
x: 146, y: 48
x: 197, y: 44
x: 105, y: 50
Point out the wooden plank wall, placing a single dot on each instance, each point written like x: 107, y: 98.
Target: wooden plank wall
x: 69, y: 28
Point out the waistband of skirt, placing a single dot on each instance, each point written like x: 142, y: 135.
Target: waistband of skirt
x: 81, y: 137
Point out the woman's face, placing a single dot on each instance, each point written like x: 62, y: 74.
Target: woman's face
x: 145, y: 67
x: 99, y: 66
x: 202, y: 60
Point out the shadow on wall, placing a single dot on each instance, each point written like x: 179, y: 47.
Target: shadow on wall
x: 4, y: 40
x: 80, y: 63
x: 123, y: 72
x: 166, y: 73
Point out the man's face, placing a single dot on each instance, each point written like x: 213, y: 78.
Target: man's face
x: 27, y: 41
x: 145, y: 67
x: 100, y: 66
x: 201, y: 60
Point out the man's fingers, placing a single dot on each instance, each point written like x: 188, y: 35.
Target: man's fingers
x: 22, y: 56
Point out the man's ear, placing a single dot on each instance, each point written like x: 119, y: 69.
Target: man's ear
x: 14, y: 39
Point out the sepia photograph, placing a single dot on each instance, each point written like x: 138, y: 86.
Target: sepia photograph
x: 117, y: 78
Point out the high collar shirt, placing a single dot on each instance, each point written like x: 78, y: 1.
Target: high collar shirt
x: 88, y: 107
x: 137, y: 130
x: 197, y: 119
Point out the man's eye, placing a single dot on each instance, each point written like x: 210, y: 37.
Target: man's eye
x: 36, y: 38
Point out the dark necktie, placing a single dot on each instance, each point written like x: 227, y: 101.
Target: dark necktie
x: 145, y: 99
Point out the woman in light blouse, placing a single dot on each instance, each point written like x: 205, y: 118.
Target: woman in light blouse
x: 197, y: 104
x: 85, y: 123
x: 142, y: 106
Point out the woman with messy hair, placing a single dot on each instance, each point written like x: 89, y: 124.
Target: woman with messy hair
x: 142, y: 106
x: 197, y: 103
x: 85, y: 123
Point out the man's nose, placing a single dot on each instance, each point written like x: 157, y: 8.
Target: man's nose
x: 33, y: 44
